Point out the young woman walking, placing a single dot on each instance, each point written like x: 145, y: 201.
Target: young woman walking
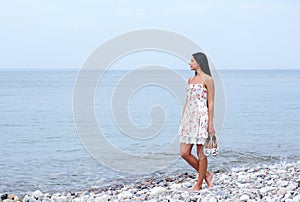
x: 196, y: 123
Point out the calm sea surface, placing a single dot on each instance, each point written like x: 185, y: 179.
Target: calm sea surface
x: 40, y: 148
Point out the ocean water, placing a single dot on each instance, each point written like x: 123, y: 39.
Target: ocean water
x: 40, y: 147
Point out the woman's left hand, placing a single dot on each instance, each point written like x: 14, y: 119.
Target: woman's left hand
x: 211, y: 129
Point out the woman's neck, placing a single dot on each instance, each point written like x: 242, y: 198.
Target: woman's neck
x: 199, y: 73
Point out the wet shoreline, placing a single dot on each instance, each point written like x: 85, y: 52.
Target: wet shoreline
x: 278, y: 181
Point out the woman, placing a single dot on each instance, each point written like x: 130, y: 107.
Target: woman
x: 197, y: 118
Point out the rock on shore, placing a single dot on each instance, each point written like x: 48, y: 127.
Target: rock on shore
x: 277, y: 182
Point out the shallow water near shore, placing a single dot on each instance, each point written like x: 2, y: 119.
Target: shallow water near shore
x: 40, y: 148
x: 274, y: 182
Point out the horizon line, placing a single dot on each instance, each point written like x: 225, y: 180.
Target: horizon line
x: 76, y: 69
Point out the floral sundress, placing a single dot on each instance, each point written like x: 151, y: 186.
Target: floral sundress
x: 194, y: 121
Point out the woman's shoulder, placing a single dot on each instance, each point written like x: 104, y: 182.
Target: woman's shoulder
x: 208, y: 77
x: 209, y: 81
x: 189, y: 80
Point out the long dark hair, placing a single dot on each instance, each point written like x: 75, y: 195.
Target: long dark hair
x: 203, y: 62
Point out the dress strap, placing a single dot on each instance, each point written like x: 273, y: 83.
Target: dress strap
x: 191, y: 79
x: 204, y: 79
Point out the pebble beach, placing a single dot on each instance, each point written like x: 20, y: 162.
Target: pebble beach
x: 275, y: 182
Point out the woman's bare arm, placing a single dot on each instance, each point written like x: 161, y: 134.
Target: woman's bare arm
x: 210, y: 99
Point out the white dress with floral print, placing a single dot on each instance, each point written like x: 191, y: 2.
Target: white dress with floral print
x: 194, y: 121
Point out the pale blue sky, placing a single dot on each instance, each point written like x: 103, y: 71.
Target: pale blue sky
x: 235, y: 33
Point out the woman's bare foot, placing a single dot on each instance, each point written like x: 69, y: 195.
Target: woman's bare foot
x: 196, y: 188
x: 208, y: 178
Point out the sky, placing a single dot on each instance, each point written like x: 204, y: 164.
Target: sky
x: 236, y: 34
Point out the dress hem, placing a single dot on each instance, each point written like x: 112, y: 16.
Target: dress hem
x: 191, y: 140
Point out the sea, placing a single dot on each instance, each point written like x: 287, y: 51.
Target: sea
x: 41, y: 148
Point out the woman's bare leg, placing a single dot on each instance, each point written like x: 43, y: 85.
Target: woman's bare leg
x: 202, y: 172
x: 208, y: 179
x: 185, y: 152
x: 208, y: 175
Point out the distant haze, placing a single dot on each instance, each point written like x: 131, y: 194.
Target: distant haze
x: 236, y: 34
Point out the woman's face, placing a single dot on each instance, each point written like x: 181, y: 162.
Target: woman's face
x: 193, y: 64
